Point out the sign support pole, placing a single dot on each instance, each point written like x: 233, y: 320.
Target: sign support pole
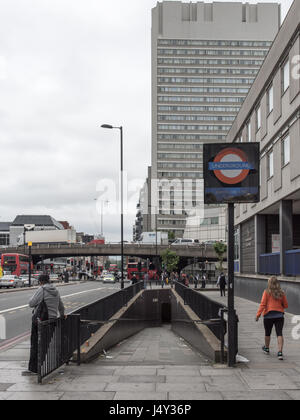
x: 30, y: 259
x: 232, y: 319
x: 231, y: 175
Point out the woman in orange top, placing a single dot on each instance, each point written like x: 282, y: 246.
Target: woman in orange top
x: 272, y: 307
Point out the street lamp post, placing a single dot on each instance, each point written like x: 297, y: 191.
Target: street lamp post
x: 110, y: 127
x: 30, y: 259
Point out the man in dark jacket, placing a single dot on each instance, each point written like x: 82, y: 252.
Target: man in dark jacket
x: 222, y: 284
x: 50, y: 295
x: 134, y: 280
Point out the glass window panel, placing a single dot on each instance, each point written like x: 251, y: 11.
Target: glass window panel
x: 286, y: 151
x: 286, y: 76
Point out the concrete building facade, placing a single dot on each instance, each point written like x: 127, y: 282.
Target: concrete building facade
x: 40, y: 222
x: 268, y: 233
x: 205, y: 57
x: 4, y: 233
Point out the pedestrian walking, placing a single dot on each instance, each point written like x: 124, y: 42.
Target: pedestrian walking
x: 182, y: 278
x: 186, y: 281
x: 46, y: 304
x: 134, y: 280
x: 66, y: 277
x: 222, y: 284
x: 272, y: 307
x: 203, y: 285
x: 146, y: 279
x: 163, y: 279
x: 172, y: 279
x: 196, y: 280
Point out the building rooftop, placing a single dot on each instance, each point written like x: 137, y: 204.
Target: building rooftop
x: 38, y: 220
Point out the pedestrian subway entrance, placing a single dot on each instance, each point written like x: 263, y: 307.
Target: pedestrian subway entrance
x: 107, y: 322
x: 153, y: 308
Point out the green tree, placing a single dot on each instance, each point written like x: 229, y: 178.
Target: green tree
x: 220, y: 249
x: 170, y: 260
x: 171, y: 235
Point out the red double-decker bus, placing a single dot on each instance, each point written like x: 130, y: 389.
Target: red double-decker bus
x: 133, y: 268
x: 113, y: 268
x: 15, y: 264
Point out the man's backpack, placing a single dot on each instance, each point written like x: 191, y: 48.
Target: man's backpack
x: 41, y: 313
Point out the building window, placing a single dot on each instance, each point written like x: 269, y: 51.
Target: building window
x: 285, y: 76
x: 270, y: 164
x: 258, y: 118
x: 214, y: 220
x: 4, y: 239
x: 286, y: 151
x: 270, y: 99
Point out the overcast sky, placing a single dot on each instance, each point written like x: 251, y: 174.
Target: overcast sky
x: 67, y: 66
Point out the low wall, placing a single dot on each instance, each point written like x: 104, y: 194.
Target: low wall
x: 150, y: 308
x: 252, y: 288
x: 184, y: 323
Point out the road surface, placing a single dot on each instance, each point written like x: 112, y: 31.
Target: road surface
x: 15, y: 315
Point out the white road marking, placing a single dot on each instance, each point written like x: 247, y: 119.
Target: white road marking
x: 63, y: 297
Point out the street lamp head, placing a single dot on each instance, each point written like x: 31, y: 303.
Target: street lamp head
x: 107, y: 126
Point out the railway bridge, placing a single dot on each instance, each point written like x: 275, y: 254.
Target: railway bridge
x: 186, y: 253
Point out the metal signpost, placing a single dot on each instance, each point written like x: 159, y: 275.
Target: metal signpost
x: 231, y: 175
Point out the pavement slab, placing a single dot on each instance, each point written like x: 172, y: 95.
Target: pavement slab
x: 141, y: 396
x: 87, y: 396
x: 256, y: 396
x: 195, y: 396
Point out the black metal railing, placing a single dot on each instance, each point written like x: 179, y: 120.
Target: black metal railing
x: 99, y: 312
x: 57, y: 341
x: 202, y: 305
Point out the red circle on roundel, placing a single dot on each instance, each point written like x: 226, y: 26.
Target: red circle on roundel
x: 237, y: 175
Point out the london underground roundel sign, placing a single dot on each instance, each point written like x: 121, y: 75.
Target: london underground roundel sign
x: 231, y: 173
x: 231, y: 166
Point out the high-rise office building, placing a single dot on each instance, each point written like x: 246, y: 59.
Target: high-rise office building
x: 205, y: 57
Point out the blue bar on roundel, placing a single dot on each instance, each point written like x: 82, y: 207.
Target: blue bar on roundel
x: 229, y: 166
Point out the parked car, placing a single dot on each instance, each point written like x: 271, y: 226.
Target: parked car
x: 109, y: 278
x: 185, y: 242
x: 25, y: 278
x: 54, y: 278
x: 11, y: 281
x: 84, y: 275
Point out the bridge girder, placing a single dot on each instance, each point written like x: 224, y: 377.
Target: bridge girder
x: 131, y: 250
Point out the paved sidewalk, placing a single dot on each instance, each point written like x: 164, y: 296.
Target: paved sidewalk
x: 156, y: 364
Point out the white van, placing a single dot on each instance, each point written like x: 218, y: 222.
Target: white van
x: 186, y: 242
